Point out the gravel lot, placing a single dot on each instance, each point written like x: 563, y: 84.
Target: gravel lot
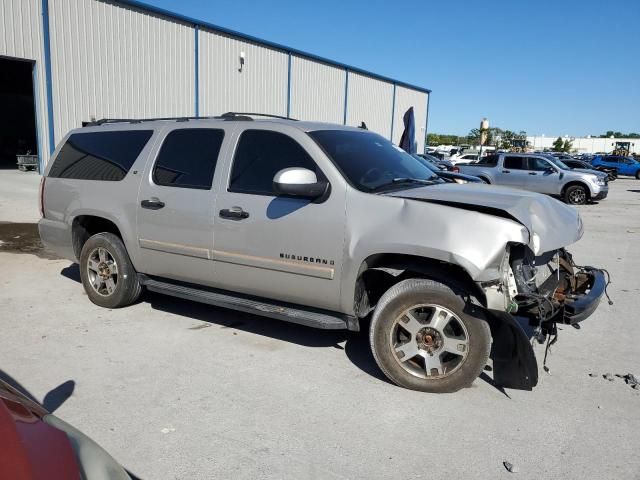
x: 175, y: 389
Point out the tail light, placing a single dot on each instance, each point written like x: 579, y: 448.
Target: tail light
x: 456, y: 169
x: 41, y: 196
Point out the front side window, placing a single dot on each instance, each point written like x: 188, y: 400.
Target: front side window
x: 370, y: 162
x: 538, y: 164
x: 515, y: 163
x: 105, y: 156
x: 260, y: 155
x: 188, y: 158
x: 489, y: 160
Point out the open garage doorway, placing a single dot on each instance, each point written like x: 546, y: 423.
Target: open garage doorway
x: 18, y: 135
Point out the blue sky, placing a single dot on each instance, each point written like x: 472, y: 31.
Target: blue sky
x: 548, y: 67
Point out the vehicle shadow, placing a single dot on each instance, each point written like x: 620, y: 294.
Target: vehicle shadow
x: 52, y: 400
x: 356, y: 344
x: 634, y: 191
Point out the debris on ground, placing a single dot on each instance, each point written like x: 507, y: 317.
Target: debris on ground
x: 608, y: 376
x: 593, y: 374
x: 510, y: 467
x: 630, y: 379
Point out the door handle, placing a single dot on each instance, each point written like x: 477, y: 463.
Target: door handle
x: 532, y: 173
x: 234, y: 213
x: 153, y: 204
x: 506, y: 171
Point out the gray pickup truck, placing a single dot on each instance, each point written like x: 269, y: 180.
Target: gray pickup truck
x: 540, y: 173
x: 322, y: 225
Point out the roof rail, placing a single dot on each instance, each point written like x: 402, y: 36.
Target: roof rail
x: 237, y: 116
x: 231, y: 115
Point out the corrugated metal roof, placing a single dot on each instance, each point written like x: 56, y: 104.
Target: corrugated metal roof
x: 227, y: 31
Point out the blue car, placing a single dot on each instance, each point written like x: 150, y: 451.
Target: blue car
x: 623, y: 165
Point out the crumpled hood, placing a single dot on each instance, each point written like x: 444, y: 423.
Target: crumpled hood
x: 555, y: 223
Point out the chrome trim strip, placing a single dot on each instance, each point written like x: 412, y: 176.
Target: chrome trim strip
x: 273, y: 264
x: 239, y: 259
x: 177, y: 248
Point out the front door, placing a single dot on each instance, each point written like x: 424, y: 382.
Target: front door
x: 542, y: 177
x: 285, y: 248
x: 176, y: 205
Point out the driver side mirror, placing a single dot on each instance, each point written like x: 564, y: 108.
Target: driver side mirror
x: 550, y: 170
x: 299, y: 182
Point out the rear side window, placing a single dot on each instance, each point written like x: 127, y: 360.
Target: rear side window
x: 188, y: 158
x: 106, y: 156
x: 260, y: 155
x: 515, y: 163
x: 489, y: 160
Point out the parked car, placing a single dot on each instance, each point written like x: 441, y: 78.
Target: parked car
x: 446, y: 175
x: 442, y: 164
x: 464, y: 158
x: 623, y: 165
x: 581, y: 165
x: 540, y: 173
x: 321, y: 225
x: 37, y: 445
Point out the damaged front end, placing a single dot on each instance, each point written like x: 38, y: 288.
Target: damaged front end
x: 537, y: 293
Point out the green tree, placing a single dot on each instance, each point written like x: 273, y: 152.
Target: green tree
x: 558, y: 145
x: 567, y: 146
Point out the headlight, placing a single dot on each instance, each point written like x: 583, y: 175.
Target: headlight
x: 460, y: 180
x: 535, y: 239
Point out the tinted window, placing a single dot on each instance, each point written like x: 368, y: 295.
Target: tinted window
x: 489, y: 160
x: 188, y: 158
x: 612, y: 159
x: 538, y: 164
x: 515, y: 163
x: 260, y: 155
x: 369, y: 161
x: 99, y: 155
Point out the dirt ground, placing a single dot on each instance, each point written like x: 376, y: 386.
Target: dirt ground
x: 174, y: 389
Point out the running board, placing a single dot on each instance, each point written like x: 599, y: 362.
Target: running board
x: 281, y: 311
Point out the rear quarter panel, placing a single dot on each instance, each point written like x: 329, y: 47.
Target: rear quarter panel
x: 66, y: 199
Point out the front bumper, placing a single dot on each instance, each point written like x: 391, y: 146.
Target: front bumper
x: 580, y: 307
x: 602, y: 195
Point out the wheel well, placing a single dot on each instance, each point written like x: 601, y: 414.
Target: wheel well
x: 85, y: 226
x: 485, y: 179
x: 380, y: 272
x: 579, y: 184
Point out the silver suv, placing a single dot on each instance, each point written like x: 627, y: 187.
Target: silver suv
x: 540, y: 173
x: 323, y: 225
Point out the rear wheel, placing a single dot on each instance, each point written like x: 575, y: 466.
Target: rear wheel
x: 638, y: 175
x: 107, y: 273
x: 576, y: 195
x: 423, y: 339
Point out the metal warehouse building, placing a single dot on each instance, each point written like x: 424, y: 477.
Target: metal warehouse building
x: 64, y: 62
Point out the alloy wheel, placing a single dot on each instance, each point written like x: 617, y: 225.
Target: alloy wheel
x: 102, y: 271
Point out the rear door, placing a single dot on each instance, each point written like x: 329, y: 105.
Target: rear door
x: 513, y: 171
x: 176, y: 204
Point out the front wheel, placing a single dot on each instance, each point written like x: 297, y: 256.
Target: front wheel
x: 638, y: 175
x: 107, y: 274
x: 423, y: 339
x: 576, y: 195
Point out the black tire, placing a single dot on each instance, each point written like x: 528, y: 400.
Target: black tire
x: 416, y: 292
x: 127, y: 287
x: 638, y: 175
x: 485, y: 180
x: 576, y: 195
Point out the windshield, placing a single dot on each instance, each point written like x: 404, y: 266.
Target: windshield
x: 372, y: 163
x: 558, y: 163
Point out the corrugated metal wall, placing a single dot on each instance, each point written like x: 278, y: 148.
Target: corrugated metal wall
x: 406, y: 98
x: 21, y: 37
x: 113, y: 61
x: 317, y: 91
x: 260, y: 87
x: 109, y: 59
x: 370, y: 100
